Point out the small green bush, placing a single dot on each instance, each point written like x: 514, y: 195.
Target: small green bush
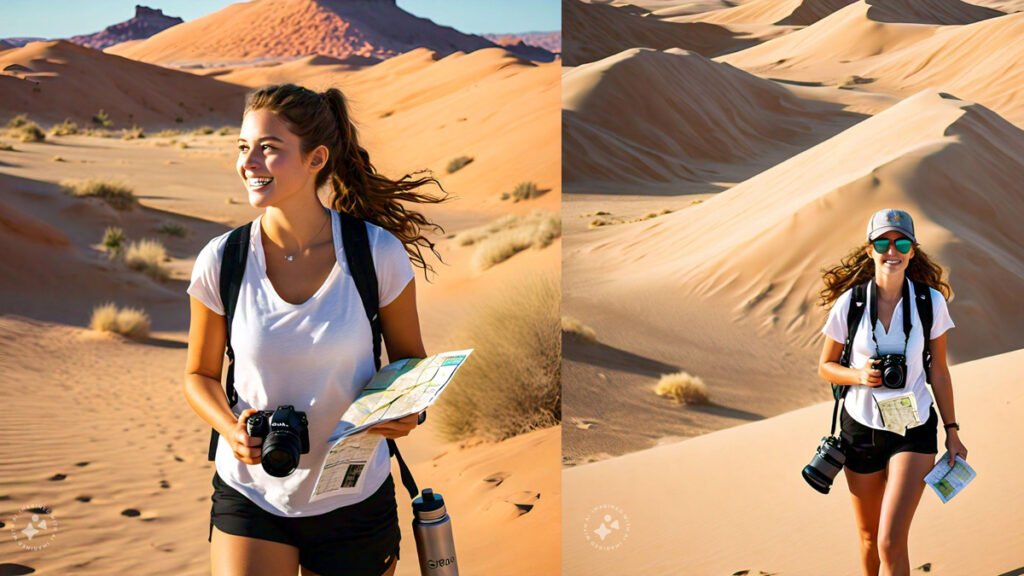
x: 113, y: 240
x: 101, y: 118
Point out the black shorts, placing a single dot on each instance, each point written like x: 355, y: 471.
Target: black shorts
x: 357, y: 540
x: 868, y: 450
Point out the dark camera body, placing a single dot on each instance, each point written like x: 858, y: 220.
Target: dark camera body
x: 894, y: 370
x: 285, y: 434
x: 828, y: 460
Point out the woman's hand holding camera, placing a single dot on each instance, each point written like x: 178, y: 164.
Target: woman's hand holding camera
x: 867, y: 375
x: 246, y: 448
x: 395, y: 428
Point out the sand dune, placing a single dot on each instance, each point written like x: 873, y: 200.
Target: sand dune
x: 39, y: 77
x: 734, y: 500
x: 265, y: 29
x: 716, y: 115
x: 595, y: 31
x: 861, y: 30
x: 949, y: 161
x: 785, y: 13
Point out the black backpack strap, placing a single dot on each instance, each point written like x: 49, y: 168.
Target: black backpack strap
x: 923, y: 298
x: 858, y: 301
x: 356, y: 241
x: 232, y: 269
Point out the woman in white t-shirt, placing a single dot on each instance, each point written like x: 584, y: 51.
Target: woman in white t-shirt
x: 885, y: 468
x: 300, y: 337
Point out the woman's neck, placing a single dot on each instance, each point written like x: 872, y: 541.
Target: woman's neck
x: 890, y: 286
x: 296, y: 224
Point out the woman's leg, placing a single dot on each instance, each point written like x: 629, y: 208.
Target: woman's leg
x: 867, y: 491
x: 232, y: 555
x: 902, y: 494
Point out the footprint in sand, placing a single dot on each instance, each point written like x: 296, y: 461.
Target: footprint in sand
x: 58, y: 477
x: 926, y: 567
x: 496, y: 479
x: 82, y: 464
x: 179, y: 458
x: 85, y: 499
x: 131, y: 513
x: 523, y: 501
x: 752, y: 573
x: 15, y: 569
x: 165, y: 484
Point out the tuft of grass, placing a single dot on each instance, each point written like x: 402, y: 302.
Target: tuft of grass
x: 172, y: 229
x: 167, y: 134
x: 29, y: 132
x: 102, y: 119
x: 509, y: 235
x: 18, y: 121
x: 5, y: 147
x: 523, y: 191
x: 113, y: 240
x: 58, y: 159
x: 458, y: 163
x: 203, y: 131
x: 683, y: 388
x: 517, y: 337
x: 130, y: 322
x: 147, y: 256
x: 226, y: 131
x: 65, y: 128
x: 573, y: 327
x: 117, y: 194
x: 133, y: 133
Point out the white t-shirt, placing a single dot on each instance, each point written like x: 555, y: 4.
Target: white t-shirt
x: 860, y: 401
x: 316, y: 356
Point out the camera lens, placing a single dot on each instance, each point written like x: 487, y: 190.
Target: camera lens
x: 281, y: 453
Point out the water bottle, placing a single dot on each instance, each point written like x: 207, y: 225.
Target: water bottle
x: 432, y: 528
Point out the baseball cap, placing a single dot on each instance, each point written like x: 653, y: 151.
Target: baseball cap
x: 889, y: 220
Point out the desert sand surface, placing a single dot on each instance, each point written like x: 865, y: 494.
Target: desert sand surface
x: 133, y: 444
x: 698, y: 218
x: 734, y: 500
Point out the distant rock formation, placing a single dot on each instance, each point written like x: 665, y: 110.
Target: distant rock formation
x: 147, y: 22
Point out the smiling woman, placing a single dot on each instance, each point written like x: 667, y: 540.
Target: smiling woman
x: 299, y: 337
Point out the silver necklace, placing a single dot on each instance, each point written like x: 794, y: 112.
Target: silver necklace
x: 291, y: 257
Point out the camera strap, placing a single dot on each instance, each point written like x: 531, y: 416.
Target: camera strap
x: 356, y: 243
x: 907, y: 324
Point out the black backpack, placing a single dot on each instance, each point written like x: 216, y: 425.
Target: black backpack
x: 356, y: 243
x: 858, y: 301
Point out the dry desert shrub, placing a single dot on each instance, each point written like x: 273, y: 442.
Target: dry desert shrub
x: 683, y: 388
x: 512, y: 382
x: 115, y: 193
x: 133, y: 133
x: 167, y: 134
x: 574, y: 327
x: 203, y: 131
x: 147, y: 256
x: 227, y: 131
x: 102, y: 119
x: 508, y: 235
x: 18, y: 121
x: 65, y: 128
x: 29, y: 132
x: 523, y: 191
x: 130, y: 322
x: 5, y: 147
x: 113, y: 240
x: 458, y: 163
x: 172, y: 229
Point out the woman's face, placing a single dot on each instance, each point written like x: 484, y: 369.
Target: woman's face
x: 270, y: 160
x: 891, y: 261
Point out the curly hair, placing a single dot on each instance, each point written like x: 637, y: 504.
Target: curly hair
x: 857, y: 267
x: 356, y: 187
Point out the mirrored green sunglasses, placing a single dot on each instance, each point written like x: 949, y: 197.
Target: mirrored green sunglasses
x: 902, y: 245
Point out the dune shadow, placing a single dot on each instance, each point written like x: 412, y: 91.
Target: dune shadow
x: 1014, y: 572
x: 612, y: 358
x: 164, y: 343
x: 725, y: 411
x: 958, y: 12
x: 807, y: 83
x: 15, y: 569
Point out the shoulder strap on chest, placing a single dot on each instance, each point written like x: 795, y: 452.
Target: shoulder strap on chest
x: 858, y: 301
x: 356, y: 241
x: 232, y: 269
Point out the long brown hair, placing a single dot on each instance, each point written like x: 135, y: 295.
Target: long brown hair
x: 356, y: 187
x: 857, y: 267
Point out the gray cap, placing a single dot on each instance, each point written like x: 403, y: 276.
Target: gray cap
x: 890, y: 220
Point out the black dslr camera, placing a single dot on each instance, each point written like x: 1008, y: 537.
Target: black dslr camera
x: 285, y: 436
x: 894, y: 370
x: 828, y: 460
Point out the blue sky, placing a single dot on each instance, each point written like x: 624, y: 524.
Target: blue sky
x: 36, y: 18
